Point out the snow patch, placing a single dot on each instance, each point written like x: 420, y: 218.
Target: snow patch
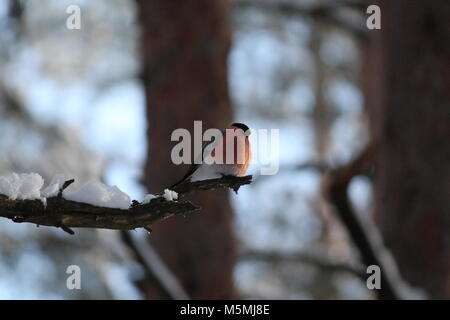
x: 21, y: 186
x: 27, y: 186
x: 170, y: 195
x: 98, y: 194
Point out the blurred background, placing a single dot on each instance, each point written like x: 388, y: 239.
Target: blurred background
x: 101, y: 102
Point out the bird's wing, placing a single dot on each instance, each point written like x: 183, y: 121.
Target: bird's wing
x: 197, y: 163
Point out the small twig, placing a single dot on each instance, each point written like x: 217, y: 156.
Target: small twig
x: 64, y: 186
x: 67, y: 229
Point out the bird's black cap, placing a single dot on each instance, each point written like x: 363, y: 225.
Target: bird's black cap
x: 240, y: 126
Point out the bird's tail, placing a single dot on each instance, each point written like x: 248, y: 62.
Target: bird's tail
x: 186, y: 177
x: 176, y: 184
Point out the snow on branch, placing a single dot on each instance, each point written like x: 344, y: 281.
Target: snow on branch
x: 58, y: 211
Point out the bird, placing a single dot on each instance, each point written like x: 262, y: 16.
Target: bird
x: 238, y: 165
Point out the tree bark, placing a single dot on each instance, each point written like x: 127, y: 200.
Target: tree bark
x: 408, y: 93
x: 184, y: 47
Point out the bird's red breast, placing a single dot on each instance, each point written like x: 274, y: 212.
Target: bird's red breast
x: 240, y: 144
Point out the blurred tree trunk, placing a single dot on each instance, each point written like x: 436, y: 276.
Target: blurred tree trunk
x: 184, y: 47
x: 408, y: 94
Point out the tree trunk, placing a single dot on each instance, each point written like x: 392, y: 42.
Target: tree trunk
x: 408, y: 95
x: 184, y: 47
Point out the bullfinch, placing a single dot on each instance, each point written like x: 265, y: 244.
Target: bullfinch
x: 215, y: 162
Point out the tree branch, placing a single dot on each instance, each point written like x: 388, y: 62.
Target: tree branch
x: 154, y: 267
x: 335, y: 185
x: 324, y: 10
x: 304, y: 257
x: 66, y: 214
